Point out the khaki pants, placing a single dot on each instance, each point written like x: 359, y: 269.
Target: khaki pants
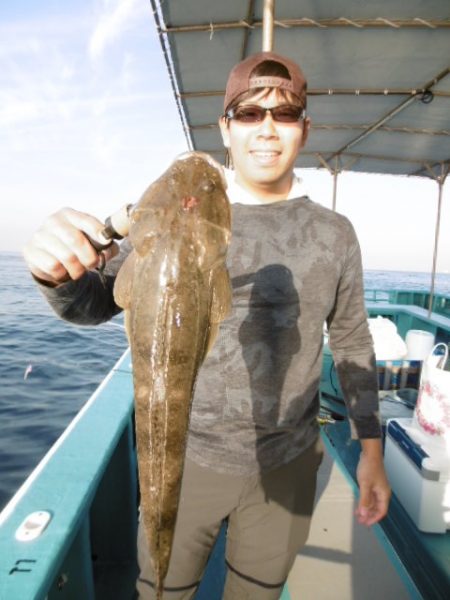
x: 268, y: 514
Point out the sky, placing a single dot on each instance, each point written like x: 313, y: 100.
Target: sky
x: 88, y: 120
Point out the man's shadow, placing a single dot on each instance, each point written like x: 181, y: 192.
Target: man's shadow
x: 269, y: 338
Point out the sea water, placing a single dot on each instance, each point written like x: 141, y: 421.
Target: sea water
x: 49, y: 368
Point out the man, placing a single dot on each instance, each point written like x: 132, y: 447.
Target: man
x: 253, y: 449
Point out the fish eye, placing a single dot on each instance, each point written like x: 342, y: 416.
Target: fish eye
x: 208, y: 186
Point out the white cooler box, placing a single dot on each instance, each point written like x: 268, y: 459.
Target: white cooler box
x: 419, y: 476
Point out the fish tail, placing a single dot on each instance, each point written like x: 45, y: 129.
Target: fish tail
x: 159, y: 588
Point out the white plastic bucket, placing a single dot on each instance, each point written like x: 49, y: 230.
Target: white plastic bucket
x: 419, y: 344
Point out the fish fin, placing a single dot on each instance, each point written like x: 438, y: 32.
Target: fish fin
x: 220, y: 304
x: 221, y: 294
x: 211, y: 338
x: 124, y: 282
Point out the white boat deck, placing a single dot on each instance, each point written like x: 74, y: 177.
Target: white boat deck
x: 342, y: 559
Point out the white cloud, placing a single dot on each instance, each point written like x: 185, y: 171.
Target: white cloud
x: 104, y: 149
x: 38, y: 77
x: 128, y: 74
x: 67, y: 72
x: 117, y: 16
x: 17, y: 111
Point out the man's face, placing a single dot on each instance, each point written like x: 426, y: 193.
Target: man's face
x: 264, y: 153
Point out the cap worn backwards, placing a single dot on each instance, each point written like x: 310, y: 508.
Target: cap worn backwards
x: 240, y: 79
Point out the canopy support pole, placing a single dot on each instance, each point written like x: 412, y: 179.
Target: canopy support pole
x: 440, y: 180
x: 334, y: 172
x: 335, y: 178
x: 268, y: 17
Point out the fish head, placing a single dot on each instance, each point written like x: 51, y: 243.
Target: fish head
x: 203, y: 202
x: 191, y: 196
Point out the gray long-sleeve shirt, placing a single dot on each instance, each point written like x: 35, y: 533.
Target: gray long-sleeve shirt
x: 293, y: 266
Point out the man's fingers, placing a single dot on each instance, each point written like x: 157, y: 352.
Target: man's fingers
x: 372, y: 506
x: 70, y: 247
x: 382, y: 505
x: 74, y: 235
x: 44, y: 266
x: 365, y: 503
x: 82, y: 234
x: 63, y: 247
x: 86, y: 223
x: 374, y: 489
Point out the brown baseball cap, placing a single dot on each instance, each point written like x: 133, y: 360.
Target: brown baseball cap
x: 240, y: 80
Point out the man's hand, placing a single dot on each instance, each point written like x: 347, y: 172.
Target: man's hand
x: 374, y: 488
x: 60, y: 250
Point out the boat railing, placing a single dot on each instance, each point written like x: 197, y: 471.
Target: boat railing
x: 440, y: 304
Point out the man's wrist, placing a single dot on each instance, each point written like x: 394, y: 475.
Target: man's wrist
x: 44, y: 282
x: 372, y: 448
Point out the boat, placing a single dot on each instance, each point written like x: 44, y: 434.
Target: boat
x: 79, y: 507
x: 88, y: 548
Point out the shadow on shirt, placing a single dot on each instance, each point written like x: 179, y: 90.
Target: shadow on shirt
x: 269, y: 338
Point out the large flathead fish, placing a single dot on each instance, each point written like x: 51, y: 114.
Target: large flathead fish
x: 175, y: 290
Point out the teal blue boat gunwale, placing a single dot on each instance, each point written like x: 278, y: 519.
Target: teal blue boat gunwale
x: 65, y: 483
x: 440, y: 304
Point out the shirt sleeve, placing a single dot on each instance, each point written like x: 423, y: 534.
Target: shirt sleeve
x: 352, y: 347
x: 88, y: 300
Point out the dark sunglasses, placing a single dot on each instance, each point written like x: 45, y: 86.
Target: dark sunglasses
x: 252, y: 113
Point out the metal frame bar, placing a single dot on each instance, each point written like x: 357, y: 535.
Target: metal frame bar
x: 163, y: 40
x: 249, y: 19
x: 305, y: 22
x: 354, y: 157
x: 334, y: 92
x: 335, y: 178
x: 344, y: 127
x: 430, y: 166
x: 389, y: 115
x: 410, y: 130
x: 440, y: 181
x: 334, y: 173
x: 360, y: 155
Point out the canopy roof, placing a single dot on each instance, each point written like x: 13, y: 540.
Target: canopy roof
x: 378, y: 75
